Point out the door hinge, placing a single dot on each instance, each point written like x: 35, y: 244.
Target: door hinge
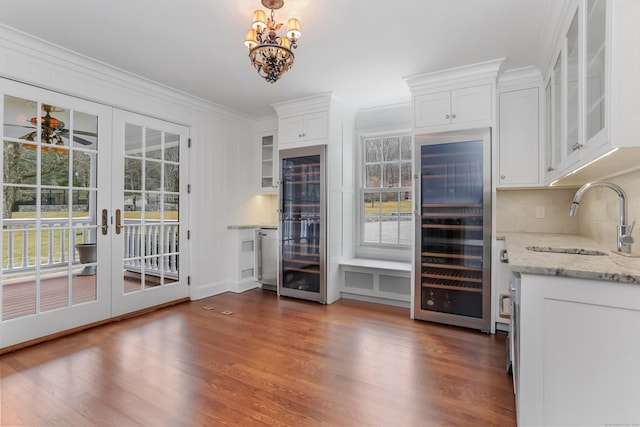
x: 189, y: 143
x: 188, y: 280
x: 188, y: 234
x: 188, y: 188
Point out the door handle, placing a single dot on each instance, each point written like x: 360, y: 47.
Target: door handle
x: 105, y: 222
x: 118, y: 221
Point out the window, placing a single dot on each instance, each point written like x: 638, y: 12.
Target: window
x: 386, y: 195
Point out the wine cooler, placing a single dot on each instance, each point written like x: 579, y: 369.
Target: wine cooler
x: 302, y: 224
x: 453, y: 228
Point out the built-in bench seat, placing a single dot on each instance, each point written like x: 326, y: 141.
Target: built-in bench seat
x: 374, y: 280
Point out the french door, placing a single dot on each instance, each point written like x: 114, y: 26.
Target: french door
x: 92, y: 212
x: 150, y: 210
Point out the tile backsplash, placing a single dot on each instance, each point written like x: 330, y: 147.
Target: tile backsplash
x: 597, y: 217
x: 521, y: 211
x: 599, y: 212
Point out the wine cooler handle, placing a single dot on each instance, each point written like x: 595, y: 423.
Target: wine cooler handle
x: 105, y: 222
x: 118, y: 221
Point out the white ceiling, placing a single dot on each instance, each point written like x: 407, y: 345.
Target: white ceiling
x: 359, y: 49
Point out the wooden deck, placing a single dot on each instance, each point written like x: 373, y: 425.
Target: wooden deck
x: 273, y: 362
x: 19, y: 296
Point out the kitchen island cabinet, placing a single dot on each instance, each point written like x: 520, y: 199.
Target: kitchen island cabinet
x: 579, y: 352
x: 576, y: 326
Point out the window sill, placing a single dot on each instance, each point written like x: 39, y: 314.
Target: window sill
x: 377, y: 264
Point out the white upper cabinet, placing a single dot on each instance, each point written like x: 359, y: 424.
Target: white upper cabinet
x: 304, y: 129
x: 592, y: 90
x: 467, y: 105
x: 518, y: 130
x: 268, y: 162
x: 432, y: 109
x: 459, y: 98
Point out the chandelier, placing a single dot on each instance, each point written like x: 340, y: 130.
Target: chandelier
x: 271, y: 54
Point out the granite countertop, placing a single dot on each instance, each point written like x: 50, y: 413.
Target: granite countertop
x: 608, y: 267
x: 240, y: 227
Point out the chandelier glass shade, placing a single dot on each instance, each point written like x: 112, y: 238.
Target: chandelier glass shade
x: 270, y: 54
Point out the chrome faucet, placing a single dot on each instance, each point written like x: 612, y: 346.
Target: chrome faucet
x: 624, y: 231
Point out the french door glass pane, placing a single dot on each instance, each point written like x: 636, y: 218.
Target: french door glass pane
x: 44, y: 212
x: 151, y: 207
x: 85, y: 130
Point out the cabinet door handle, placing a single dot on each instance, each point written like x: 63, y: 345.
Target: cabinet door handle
x: 453, y: 116
x: 502, y: 177
x: 550, y: 169
x: 446, y: 117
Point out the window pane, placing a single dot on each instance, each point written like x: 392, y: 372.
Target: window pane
x: 132, y: 174
x: 133, y: 140
x: 372, y: 148
x: 391, y: 147
x: 172, y: 147
x: 405, y: 174
x: 373, y: 176
x: 171, y: 178
x: 153, y: 175
x: 153, y: 144
x: 20, y: 163
x: 82, y: 164
x: 389, y: 218
x: 391, y: 175
x: 405, y: 218
x: 85, y: 130
x: 405, y: 148
x: 371, y: 229
x: 54, y: 167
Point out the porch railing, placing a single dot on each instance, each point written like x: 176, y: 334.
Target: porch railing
x: 152, y: 245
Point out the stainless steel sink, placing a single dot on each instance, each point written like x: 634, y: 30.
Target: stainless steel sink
x: 573, y: 251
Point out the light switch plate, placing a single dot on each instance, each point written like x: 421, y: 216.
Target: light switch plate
x: 539, y: 212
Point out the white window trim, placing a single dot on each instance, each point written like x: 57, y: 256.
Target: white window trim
x: 391, y: 252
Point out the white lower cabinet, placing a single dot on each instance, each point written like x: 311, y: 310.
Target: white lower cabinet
x: 579, y: 355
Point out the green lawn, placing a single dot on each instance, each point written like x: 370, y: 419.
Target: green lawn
x: 388, y: 208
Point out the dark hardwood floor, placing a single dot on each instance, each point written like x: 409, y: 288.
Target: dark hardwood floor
x: 278, y: 362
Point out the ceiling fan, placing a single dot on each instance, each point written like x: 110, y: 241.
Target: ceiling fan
x: 53, y: 131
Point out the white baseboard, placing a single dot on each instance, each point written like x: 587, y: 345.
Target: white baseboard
x: 243, y: 285
x: 206, y: 291
x: 210, y: 290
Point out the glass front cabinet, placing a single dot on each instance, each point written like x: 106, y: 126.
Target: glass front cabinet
x: 268, y: 162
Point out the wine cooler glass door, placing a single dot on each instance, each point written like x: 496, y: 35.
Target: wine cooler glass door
x: 302, y: 241
x: 452, y: 237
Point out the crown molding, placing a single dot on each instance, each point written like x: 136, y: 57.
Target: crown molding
x: 35, y: 61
